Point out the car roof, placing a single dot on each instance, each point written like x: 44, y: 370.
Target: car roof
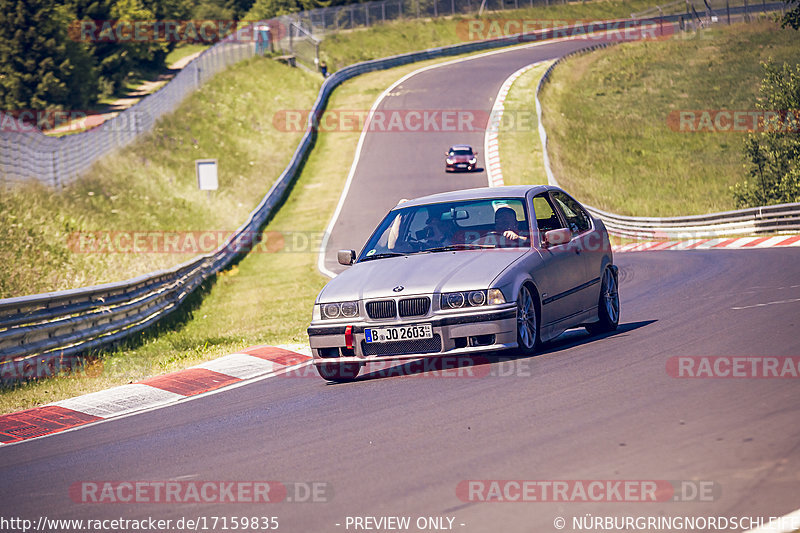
x: 507, y: 191
x: 461, y: 147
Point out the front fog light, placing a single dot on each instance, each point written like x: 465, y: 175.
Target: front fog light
x: 496, y: 297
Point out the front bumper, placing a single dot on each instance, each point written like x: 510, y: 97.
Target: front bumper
x: 460, y: 167
x: 453, y: 334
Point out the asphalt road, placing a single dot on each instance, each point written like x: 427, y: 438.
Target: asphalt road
x: 407, y: 164
x: 585, y: 408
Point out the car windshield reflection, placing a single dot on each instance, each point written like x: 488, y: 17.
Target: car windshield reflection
x: 451, y: 226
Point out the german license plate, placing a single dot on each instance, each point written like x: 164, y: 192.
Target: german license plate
x: 398, y: 333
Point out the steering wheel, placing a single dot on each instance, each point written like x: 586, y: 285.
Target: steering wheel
x: 485, y: 239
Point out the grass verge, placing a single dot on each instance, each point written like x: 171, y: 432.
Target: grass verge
x: 518, y: 135
x: 151, y: 185
x: 397, y: 37
x: 606, y: 118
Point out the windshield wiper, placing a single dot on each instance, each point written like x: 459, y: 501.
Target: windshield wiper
x: 458, y: 247
x: 381, y: 256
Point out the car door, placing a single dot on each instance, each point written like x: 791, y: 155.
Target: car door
x: 563, y: 269
x: 584, y: 245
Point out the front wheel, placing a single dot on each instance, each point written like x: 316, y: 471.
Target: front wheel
x: 527, y: 322
x: 339, y: 372
x: 608, y: 306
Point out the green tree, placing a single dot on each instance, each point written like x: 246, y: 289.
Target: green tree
x: 40, y: 67
x: 266, y: 9
x: 773, y: 153
x: 792, y: 16
x: 114, y: 60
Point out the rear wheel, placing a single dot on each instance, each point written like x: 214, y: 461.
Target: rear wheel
x: 339, y: 372
x: 608, y: 306
x: 527, y: 321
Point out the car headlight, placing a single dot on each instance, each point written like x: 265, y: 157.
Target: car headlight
x: 450, y: 161
x: 473, y: 160
x: 338, y: 310
x: 457, y: 300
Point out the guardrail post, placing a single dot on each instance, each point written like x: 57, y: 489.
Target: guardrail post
x: 54, y: 160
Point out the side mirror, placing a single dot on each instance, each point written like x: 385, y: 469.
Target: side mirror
x: 346, y: 257
x: 554, y: 237
x: 475, y: 152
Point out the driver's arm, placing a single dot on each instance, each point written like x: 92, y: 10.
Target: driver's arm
x: 512, y: 235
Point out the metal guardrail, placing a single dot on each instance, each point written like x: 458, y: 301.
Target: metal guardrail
x: 752, y: 221
x: 709, y: 7
x: 41, y: 334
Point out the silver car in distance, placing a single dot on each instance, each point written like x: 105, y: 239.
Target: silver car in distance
x: 464, y: 272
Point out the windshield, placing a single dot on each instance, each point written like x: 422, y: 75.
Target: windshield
x: 465, y: 151
x: 464, y: 225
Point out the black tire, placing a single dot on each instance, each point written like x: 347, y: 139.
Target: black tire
x: 608, y: 307
x: 527, y: 321
x: 339, y: 372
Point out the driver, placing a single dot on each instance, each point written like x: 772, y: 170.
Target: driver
x: 505, y: 222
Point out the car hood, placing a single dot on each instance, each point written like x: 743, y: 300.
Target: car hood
x: 423, y: 273
x: 460, y: 158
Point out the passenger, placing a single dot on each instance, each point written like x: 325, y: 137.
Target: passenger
x: 438, y: 232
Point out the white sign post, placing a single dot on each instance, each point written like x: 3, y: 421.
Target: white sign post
x: 206, y: 170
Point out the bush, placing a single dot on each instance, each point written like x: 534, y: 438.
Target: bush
x: 773, y: 152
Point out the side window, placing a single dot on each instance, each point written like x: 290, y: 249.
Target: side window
x: 577, y: 219
x: 546, y: 217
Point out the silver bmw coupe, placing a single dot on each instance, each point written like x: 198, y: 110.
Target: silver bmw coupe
x: 464, y: 272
